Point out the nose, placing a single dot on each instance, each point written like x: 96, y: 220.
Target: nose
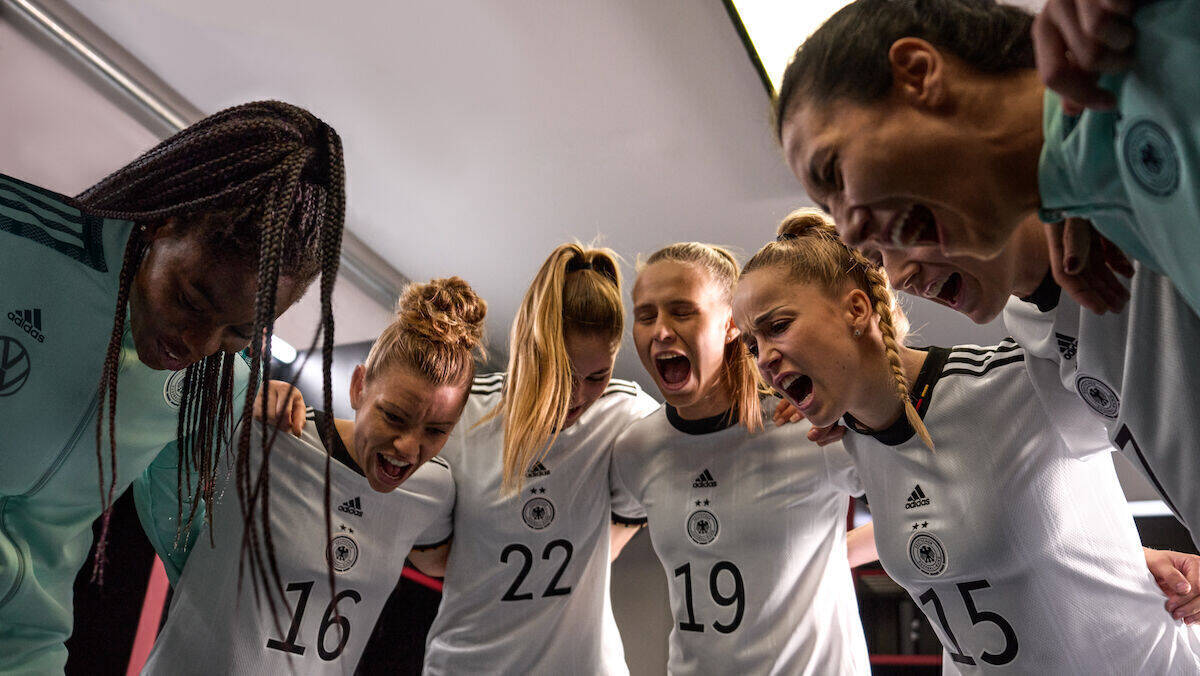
x: 663, y: 332
x: 906, y: 278
x: 201, y: 342
x: 854, y: 225
x: 408, y: 447
x: 767, y: 360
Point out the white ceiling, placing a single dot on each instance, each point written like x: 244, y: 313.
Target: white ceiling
x: 479, y: 135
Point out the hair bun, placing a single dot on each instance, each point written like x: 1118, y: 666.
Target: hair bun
x: 806, y: 221
x: 445, y: 311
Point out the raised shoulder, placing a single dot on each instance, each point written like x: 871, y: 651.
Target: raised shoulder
x: 973, y: 360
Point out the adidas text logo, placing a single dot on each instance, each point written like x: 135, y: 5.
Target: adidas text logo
x: 351, y: 507
x: 705, y: 480
x: 1067, y: 345
x: 916, y: 499
x: 538, y: 469
x: 30, y: 322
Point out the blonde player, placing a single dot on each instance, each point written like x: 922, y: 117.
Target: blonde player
x: 391, y: 494
x: 1019, y: 549
x: 748, y: 519
x: 526, y: 583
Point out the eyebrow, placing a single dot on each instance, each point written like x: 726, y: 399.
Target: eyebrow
x: 763, y: 318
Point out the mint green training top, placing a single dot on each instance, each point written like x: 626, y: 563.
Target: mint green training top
x: 60, y: 275
x: 1135, y: 171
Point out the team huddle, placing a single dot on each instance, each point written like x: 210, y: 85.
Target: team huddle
x: 942, y: 167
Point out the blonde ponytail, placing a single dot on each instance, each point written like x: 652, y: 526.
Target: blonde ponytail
x: 808, y: 246
x: 740, y: 373
x: 577, y: 290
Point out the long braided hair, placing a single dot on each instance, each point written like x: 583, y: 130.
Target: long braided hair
x: 264, y: 183
x: 809, y: 249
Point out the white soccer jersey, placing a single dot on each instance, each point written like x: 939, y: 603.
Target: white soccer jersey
x: 212, y: 629
x: 526, y: 587
x: 1136, y: 374
x: 1021, y: 553
x: 751, y: 532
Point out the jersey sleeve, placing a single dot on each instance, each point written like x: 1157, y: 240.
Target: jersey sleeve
x: 440, y: 530
x: 625, y: 506
x: 841, y: 470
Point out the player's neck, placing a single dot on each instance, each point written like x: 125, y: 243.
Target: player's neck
x: 882, y: 407
x: 345, y: 431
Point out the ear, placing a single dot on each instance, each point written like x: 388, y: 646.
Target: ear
x: 357, y: 383
x: 732, y: 332
x: 857, y: 307
x: 918, y: 73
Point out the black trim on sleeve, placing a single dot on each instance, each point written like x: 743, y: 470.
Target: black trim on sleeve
x: 336, y: 449
x: 445, y: 541
x: 628, y: 521
x: 922, y: 391
x: 715, y: 423
x: 1046, y: 296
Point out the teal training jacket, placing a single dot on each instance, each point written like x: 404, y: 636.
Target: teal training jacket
x: 59, y: 269
x: 1135, y: 171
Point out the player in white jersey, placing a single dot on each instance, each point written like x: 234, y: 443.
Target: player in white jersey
x: 526, y: 582
x: 1128, y: 376
x: 1021, y: 552
x: 391, y: 495
x: 748, y: 519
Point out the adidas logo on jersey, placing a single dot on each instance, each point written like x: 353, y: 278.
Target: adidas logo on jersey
x: 1067, y: 346
x: 30, y: 322
x: 538, y: 469
x: 351, y: 507
x: 705, y: 480
x: 916, y: 499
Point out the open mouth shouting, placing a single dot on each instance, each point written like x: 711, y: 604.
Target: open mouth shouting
x: 674, y: 370
x: 797, y: 388
x: 946, y: 291
x: 392, y: 471
x: 916, y: 226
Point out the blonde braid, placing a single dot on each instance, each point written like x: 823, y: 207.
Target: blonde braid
x: 883, y: 299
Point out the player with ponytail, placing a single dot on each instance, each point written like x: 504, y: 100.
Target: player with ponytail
x: 526, y: 580
x: 1005, y: 522
x: 393, y: 495
x: 174, y: 262
x: 748, y: 518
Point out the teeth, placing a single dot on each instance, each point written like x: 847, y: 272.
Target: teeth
x: 787, y: 382
x: 395, y: 463
x: 665, y: 357
x: 935, y: 291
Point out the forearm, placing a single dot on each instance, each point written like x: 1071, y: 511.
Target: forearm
x: 860, y: 545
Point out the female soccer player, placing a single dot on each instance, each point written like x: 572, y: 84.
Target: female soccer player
x: 176, y: 261
x: 407, y: 398
x: 1130, y: 372
x: 1021, y: 552
x: 748, y: 519
x: 924, y: 121
x: 526, y: 584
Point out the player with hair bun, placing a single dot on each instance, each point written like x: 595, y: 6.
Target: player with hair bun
x: 748, y: 518
x: 1005, y: 530
x: 526, y: 581
x: 392, y: 494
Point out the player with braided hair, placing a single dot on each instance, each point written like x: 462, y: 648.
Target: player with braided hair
x: 392, y: 493
x: 748, y: 518
x: 149, y: 282
x: 997, y: 534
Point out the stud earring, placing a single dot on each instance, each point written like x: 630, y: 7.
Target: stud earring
x: 857, y: 333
